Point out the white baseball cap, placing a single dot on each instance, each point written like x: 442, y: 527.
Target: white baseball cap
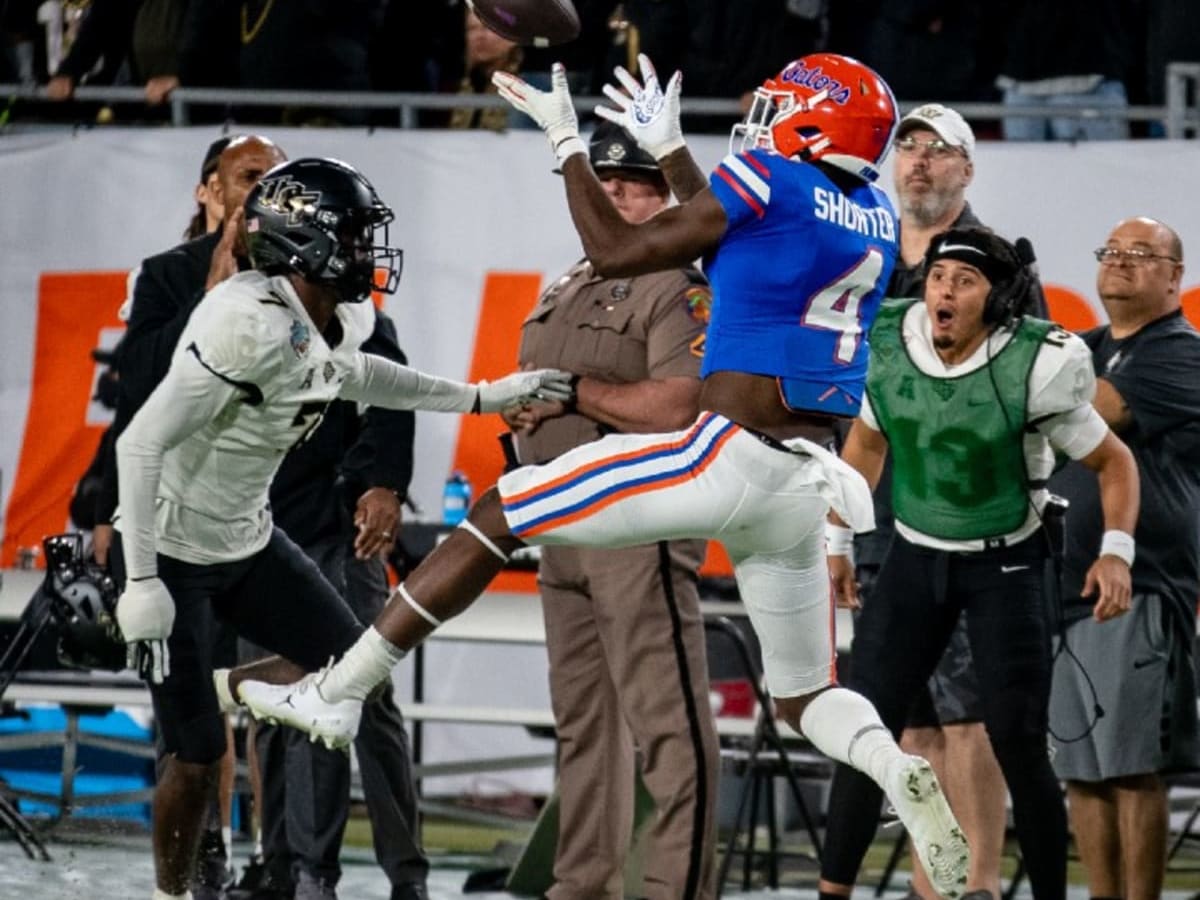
x: 946, y: 122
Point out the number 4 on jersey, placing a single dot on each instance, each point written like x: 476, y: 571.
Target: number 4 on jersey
x: 835, y: 306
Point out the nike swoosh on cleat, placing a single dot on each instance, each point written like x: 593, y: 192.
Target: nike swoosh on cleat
x: 1007, y: 570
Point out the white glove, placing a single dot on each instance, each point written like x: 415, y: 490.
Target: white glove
x: 538, y: 384
x: 146, y: 615
x: 647, y: 113
x: 553, y: 111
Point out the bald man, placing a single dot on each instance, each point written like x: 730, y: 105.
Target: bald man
x: 1140, y: 665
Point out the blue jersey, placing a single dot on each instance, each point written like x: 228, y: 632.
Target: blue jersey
x: 797, y: 278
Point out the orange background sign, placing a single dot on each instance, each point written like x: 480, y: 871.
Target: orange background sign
x: 74, y: 308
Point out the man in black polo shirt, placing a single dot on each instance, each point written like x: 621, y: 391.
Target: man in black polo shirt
x: 1138, y: 668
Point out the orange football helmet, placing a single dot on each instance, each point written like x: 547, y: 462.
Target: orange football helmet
x: 823, y: 106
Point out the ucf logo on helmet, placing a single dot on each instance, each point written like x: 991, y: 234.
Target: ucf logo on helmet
x: 814, y: 78
x: 289, y: 197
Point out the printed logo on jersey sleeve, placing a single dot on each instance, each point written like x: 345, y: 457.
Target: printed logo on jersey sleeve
x: 749, y: 178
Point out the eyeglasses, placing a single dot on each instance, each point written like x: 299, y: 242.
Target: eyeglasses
x: 937, y: 148
x: 1111, y: 256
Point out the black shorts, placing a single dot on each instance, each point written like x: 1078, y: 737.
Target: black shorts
x: 276, y: 598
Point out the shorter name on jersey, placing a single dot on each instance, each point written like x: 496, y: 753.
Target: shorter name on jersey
x: 831, y: 206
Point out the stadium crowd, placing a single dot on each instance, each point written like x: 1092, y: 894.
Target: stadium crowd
x: 1106, y: 53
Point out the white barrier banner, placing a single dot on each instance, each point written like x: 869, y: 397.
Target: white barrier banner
x: 482, y: 221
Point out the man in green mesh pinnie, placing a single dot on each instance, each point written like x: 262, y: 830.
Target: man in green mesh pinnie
x: 973, y: 399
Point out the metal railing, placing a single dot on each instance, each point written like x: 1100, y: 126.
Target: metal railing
x: 1180, y: 116
x: 1183, y: 100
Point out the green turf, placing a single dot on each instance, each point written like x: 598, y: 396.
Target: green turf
x: 444, y: 837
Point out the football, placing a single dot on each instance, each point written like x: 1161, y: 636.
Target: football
x: 530, y: 23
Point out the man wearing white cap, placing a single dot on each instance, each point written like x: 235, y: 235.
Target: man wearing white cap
x: 933, y: 166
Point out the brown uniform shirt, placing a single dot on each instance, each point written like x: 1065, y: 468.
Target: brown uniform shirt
x: 619, y: 330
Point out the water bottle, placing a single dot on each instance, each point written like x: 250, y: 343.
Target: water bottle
x: 456, y: 498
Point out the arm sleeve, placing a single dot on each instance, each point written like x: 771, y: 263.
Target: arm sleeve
x: 1062, y: 377
x: 380, y: 382
x: 106, y: 496
x: 1077, y: 432
x: 104, y: 31
x: 189, y: 397
x: 382, y: 454
x: 742, y: 185
x: 1061, y: 389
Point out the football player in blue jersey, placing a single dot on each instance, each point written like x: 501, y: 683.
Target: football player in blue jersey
x: 798, y: 245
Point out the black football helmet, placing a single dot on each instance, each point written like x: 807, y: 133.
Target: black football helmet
x: 319, y: 219
x: 83, y: 606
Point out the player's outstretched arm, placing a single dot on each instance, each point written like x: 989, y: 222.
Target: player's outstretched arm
x: 552, y: 110
x: 380, y: 382
x: 651, y: 115
x: 675, y: 237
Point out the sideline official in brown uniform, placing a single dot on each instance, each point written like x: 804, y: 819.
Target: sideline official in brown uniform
x: 628, y: 675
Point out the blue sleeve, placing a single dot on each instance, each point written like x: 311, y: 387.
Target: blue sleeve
x: 742, y: 185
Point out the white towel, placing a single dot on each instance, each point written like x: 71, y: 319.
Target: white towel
x: 844, y: 488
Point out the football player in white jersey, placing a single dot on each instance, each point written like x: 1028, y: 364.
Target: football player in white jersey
x: 251, y: 375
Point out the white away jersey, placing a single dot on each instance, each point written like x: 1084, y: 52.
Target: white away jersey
x: 250, y: 378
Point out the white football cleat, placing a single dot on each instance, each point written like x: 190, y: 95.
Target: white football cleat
x: 941, y: 846
x: 300, y: 705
